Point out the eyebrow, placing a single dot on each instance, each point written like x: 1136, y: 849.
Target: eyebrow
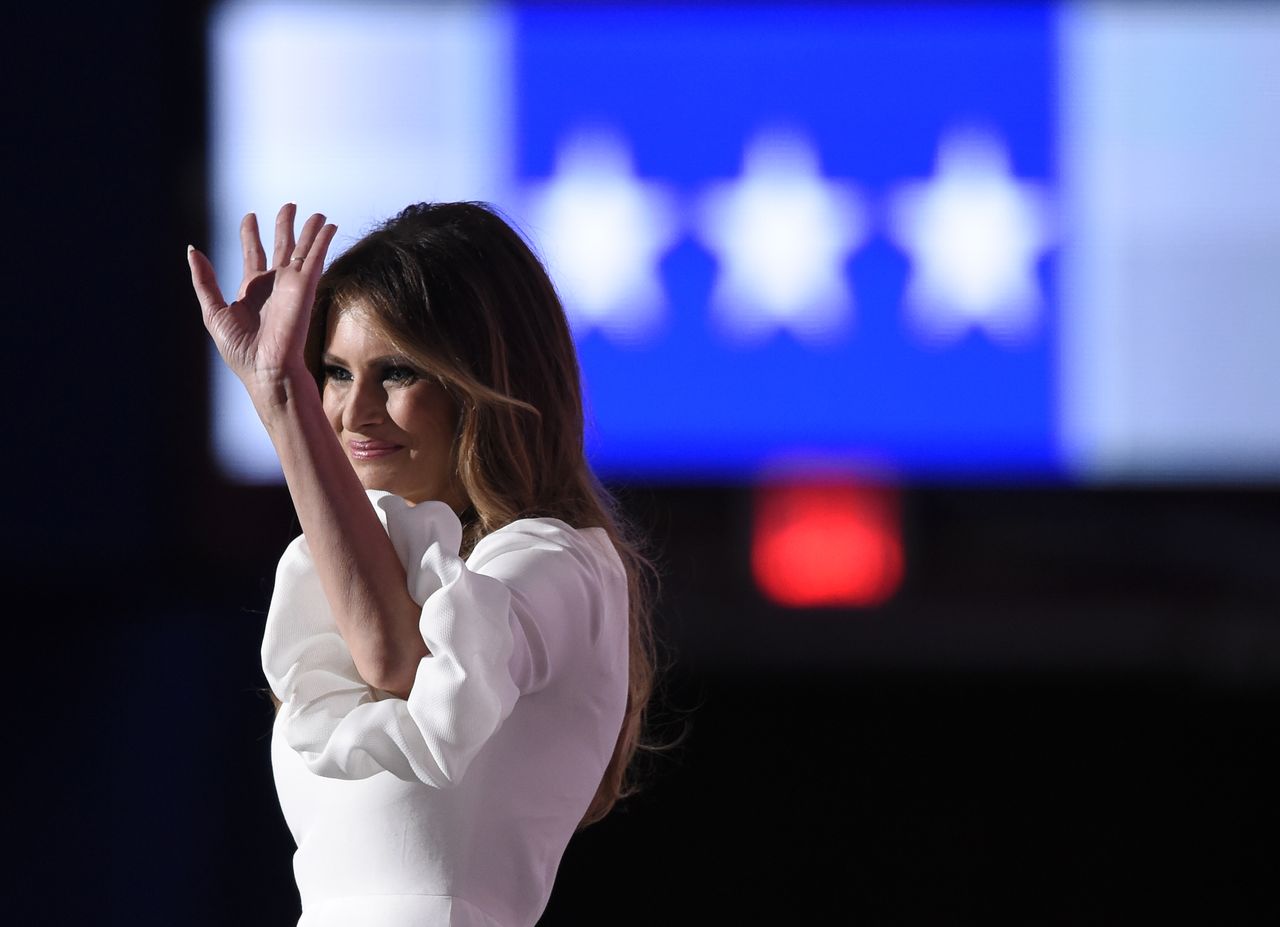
x: 389, y: 359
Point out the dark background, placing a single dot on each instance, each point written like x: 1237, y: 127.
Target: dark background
x: 1068, y: 715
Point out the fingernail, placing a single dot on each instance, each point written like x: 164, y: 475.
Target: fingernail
x: 190, y: 248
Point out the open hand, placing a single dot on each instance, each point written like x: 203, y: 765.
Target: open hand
x: 262, y: 334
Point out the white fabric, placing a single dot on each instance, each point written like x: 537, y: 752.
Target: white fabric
x: 455, y: 805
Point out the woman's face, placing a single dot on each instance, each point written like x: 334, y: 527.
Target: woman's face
x: 395, y: 422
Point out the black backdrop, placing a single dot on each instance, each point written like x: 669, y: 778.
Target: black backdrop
x: 1068, y: 716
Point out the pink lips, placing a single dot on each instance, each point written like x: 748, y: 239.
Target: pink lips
x: 367, y: 450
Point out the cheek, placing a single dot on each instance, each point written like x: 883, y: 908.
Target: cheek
x: 428, y: 419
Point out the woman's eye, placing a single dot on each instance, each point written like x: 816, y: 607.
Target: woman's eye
x: 334, y: 372
x: 400, y: 374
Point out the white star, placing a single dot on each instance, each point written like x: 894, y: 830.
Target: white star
x: 603, y: 233
x: 974, y: 235
x: 782, y: 233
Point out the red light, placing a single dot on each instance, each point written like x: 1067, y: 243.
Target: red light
x: 827, y: 544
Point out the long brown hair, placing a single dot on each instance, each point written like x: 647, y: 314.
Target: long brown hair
x: 462, y: 295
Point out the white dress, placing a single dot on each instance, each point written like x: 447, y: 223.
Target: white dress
x: 454, y: 806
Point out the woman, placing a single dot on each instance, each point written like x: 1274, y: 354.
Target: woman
x: 458, y: 641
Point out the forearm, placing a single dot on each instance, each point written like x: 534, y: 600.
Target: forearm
x: 359, y: 570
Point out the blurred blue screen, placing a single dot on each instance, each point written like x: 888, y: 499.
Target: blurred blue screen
x: 928, y: 242
x: 866, y: 98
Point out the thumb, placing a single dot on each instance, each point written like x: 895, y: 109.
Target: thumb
x: 205, y: 283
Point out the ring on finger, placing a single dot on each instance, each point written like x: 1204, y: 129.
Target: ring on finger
x: 297, y: 257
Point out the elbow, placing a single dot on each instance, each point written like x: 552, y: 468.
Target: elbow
x: 395, y: 670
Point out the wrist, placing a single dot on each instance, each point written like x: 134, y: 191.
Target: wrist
x: 276, y: 391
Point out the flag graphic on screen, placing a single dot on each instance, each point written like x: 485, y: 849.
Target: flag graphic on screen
x: 782, y: 234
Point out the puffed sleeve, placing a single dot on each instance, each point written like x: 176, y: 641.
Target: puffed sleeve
x: 495, y: 625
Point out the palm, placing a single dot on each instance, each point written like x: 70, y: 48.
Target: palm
x: 259, y: 331
x: 263, y: 332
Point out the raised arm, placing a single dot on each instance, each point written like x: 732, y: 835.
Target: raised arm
x: 261, y: 336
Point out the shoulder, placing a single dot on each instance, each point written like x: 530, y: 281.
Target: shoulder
x: 535, y: 553
x: 590, y: 547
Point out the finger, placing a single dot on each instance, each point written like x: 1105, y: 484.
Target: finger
x: 306, y: 238
x: 205, y: 284
x: 284, y: 234
x: 255, y: 258
x: 313, y: 266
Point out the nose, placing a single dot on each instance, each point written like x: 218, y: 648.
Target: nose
x: 366, y: 404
